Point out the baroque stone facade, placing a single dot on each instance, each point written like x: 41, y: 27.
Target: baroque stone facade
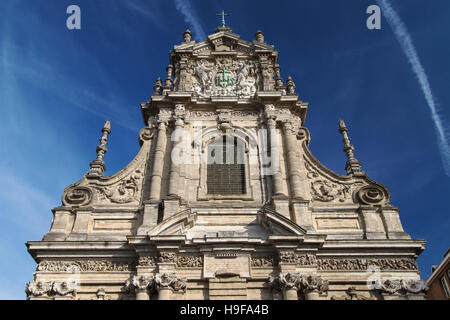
x: 292, y: 230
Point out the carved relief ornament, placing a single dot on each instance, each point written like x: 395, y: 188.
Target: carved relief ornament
x: 125, y: 191
x: 189, y: 261
x: 147, y: 261
x: 305, y: 259
x: 362, y: 264
x: 85, y: 265
x: 325, y: 191
x: 224, y: 77
x: 167, y: 257
x: 263, y: 261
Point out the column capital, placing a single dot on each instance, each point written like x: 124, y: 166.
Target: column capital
x: 162, y: 124
x: 170, y: 281
x: 143, y: 282
x: 297, y: 282
x: 401, y: 286
x: 289, y: 126
x: 314, y: 283
x: 286, y: 281
x: 38, y: 288
x: 271, y: 122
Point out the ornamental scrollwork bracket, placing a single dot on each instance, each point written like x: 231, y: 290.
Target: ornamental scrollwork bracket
x: 77, y: 196
x: 371, y: 195
x: 145, y: 134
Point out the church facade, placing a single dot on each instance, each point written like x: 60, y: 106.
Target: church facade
x: 224, y: 199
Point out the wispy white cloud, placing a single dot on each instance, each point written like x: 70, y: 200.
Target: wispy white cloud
x: 404, y: 38
x: 25, y: 205
x: 25, y: 215
x: 49, y: 77
x: 145, y: 11
x: 25, y: 63
x: 184, y: 7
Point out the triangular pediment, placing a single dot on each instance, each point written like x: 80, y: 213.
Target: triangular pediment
x: 185, y: 46
x: 223, y: 41
x: 278, y: 225
x: 191, y: 225
x: 175, y: 225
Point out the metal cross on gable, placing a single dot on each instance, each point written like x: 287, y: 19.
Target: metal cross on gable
x: 223, y: 14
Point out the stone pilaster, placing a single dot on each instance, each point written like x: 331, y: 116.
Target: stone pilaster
x: 81, y: 224
x: 373, y: 224
x: 230, y: 287
x: 275, y: 150
x: 172, y: 203
x: 302, y: 214
x: 150, y: 211
x: 177, y: 156
x: 59, y: 228
x: 158, y: 163
x: 291, y: 149
x: 391, y: 220
x: 149, y: 217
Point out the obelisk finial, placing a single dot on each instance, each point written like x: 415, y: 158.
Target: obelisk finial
x: 290, y: 85
x: 157, y: 88
x: 259, y: 36
x: 187, y: 36
x: 352, y: 166
x: 97, y: 167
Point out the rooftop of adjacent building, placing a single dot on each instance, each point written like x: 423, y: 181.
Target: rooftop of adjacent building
x: 437, y: 270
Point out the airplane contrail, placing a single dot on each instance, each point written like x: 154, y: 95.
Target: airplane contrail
x: 404, y: 38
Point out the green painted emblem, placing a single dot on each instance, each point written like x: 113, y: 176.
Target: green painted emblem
x: 224, y: 78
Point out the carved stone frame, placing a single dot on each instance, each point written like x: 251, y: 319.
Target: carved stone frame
x: 202, y: 190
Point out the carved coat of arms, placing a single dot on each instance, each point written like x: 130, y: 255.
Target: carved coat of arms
x: 236, y: 78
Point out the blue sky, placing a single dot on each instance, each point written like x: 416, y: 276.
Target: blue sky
x: 57, y: 87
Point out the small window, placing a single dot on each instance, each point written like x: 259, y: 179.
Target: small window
x: 226, y: 167
x: 445, y: 287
